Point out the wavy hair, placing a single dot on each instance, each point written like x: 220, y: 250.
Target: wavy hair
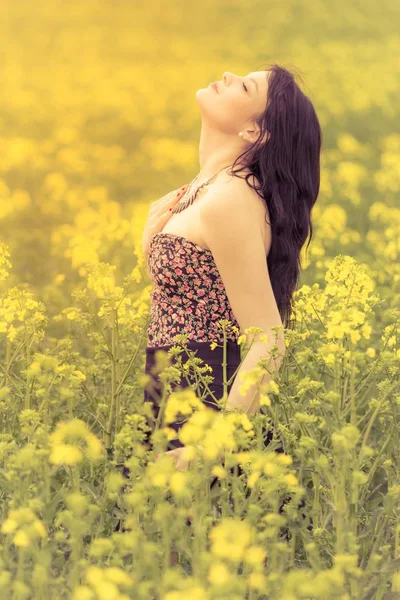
x: 287, y: 166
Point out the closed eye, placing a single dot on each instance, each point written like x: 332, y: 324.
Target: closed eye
x: 244, y: 87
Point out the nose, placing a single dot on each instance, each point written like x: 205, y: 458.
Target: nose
x: 226, y: 77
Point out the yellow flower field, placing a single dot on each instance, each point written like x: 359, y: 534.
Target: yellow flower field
x: 97, y: 120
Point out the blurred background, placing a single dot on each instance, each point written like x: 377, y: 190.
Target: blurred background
x: 98, y: 118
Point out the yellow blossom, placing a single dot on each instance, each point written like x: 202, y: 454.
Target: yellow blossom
x: 257, y: 581
x: 21, y: 539
x: 254, y: 555
x: 271, y: 469
x: 253, y: 478
x: 65, y: 454
x: 291, y: 479
x: 219, y: 471
x: 178, y: 482
x: 118, y: 576
x: 71, y: 441
x: 230, y: 539
x: 159, y: 479
x: 39, y: 528
x: 83, y: 592
x: 218, y: 574
x: 273, y: 387
x: 9, y: 525
x: 265, y: 400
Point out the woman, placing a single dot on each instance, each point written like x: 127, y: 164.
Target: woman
x: 228, y: 245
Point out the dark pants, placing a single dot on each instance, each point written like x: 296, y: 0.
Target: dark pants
x: 213, y: 358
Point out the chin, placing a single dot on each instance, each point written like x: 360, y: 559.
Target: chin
x: 202, y: 97
x: 203, y: 90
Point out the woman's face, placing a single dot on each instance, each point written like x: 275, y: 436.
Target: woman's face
x: 236, y: 101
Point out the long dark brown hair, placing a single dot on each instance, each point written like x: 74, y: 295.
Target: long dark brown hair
x: 287, y: 167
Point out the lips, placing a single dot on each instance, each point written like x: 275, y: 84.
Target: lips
x: 215, y: 86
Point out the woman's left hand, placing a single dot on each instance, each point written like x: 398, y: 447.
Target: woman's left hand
x: 176, y: 453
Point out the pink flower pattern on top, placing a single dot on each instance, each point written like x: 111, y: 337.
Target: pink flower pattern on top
x: 188, y: 294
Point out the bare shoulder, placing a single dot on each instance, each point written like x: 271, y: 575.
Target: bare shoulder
x: 239, y: 188
x: 233, y: 196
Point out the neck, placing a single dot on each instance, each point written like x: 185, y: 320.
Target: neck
x: 216, y: 151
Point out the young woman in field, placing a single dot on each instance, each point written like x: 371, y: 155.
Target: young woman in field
x: 228, y: 244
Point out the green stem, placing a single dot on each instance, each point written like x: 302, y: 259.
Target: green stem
x: 128, y: 368
x: 109, y: 434
x: 396, y: 585
x: 27, y: 392
x: 20, y: 570
x: 75, y: 541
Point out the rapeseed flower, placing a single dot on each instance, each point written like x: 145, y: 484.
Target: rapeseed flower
x: 230, y: 539
x: 181, y: 402
x: 104, y: 584
x: 219, y: 574
x: 72, y: 441
x: 24, y: 525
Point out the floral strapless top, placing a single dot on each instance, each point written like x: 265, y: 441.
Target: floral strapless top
x: 188, y: 295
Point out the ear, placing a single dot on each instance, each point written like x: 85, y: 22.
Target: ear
x: 255, y: 134
x: 266, y: 137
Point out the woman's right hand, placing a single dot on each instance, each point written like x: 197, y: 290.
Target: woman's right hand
x: 160, y: 212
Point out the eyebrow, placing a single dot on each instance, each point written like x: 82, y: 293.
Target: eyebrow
x: 255, y: 82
